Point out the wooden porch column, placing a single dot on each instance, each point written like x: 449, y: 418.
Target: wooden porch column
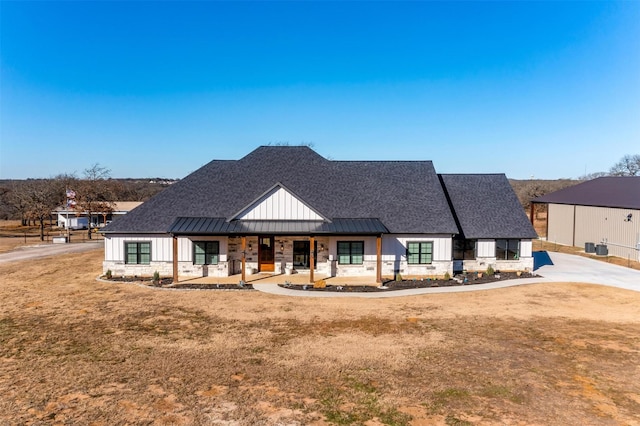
x: 312, y: 259
x: 532, y: 215
x: 379, y: 259
x: 244, y: 256
x: 175, y: 259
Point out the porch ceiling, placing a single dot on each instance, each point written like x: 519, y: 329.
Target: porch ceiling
x: 220, y: 226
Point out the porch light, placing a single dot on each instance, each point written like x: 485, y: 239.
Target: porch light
x: 321, y: 247
x: 249, y: 247
x: 282, y: 248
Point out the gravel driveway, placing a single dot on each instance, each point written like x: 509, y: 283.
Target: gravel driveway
x: 44, y: 250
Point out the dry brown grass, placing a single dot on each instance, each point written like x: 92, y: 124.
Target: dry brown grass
x: 73, y: 350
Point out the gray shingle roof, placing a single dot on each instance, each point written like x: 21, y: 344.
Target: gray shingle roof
x: 487, y: 207
x: 406, y: 196
x: 611, y: 191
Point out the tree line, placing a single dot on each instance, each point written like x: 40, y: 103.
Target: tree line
x: 33, y: 200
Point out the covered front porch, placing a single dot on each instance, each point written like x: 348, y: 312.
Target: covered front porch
x: 302, y: 250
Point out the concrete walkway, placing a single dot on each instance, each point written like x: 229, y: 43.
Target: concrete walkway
x: 553, y: 267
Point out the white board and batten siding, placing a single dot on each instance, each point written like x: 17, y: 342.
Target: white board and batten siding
x: 185, y: 247
x: 161, y: 247
x: 279, y: 204
x: 487, y: 248
x: 394, y: 246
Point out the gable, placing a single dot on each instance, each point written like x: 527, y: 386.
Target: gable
x: 278, y: 204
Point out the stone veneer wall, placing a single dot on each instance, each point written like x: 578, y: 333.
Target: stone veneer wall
x: 522, y: 264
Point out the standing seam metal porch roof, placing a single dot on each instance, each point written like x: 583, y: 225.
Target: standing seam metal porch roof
x: 219, y: 226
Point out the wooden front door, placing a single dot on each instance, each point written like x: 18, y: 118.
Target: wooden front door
x: 266, y: 254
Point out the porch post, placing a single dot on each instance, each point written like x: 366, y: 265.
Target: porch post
x: 312, y: 260
x: 244, y: 256
x: 175, y: 259
x: 531, y: 214
x: 379, y: 259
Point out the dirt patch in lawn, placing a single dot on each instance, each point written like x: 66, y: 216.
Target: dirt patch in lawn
x: 74, y: 350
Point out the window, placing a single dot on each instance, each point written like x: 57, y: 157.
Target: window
x: 206, y: 252
x: 419, y: 252
x: 138, y: 253
x: 507, y: 249
x: 350, y: 252
x: 464, y: 249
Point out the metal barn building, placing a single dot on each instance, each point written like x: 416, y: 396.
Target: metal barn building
x: 601, y: 212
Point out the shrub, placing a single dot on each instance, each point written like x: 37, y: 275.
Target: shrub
x: 156, y: 277
x: 490, y: 271
x: 108, y: 274
x: 447, y: 276
x: 398, y: 277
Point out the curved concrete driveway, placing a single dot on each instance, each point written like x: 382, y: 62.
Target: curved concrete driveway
x: 44, y: 250
x: 561, y: 267
x: 552, y: 267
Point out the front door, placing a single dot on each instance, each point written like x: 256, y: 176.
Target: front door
x: 301, y: 254
x: 266, y: 254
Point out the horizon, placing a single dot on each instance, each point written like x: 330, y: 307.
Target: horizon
x: 533, y: 90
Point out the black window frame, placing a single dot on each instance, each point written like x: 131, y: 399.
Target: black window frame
x: 420, y: 253
x: 207, y: 260
x: 138, y: 252
x: 469, y: 249
x: 351, y: 254
x: 504, y: 254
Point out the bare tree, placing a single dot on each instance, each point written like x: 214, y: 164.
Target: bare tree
x: 94, y: 193
x: 39, y: 198
x: 629, y: 165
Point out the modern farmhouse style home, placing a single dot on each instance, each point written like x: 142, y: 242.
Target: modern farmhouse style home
x: 286, y: 209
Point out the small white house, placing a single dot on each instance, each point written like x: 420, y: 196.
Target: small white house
x: 280, y: 209
x: 79, y: 219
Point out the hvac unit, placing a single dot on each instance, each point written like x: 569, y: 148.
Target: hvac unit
x: 602, y: 250
x: 589, y: 248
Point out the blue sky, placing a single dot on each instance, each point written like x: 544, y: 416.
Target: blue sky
x: 544, y: 89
